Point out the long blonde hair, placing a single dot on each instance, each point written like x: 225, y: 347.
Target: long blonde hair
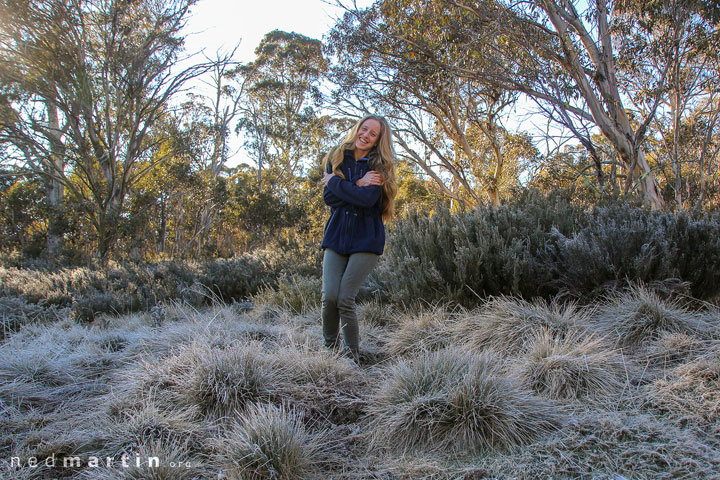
x: 381, y: 158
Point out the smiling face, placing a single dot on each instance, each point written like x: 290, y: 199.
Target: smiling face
x: 367, y: 137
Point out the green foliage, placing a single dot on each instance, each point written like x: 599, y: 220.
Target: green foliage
x: 235, y: 278
x: 16, y: 312
x: 544, y: 246
x: 620, y: 243
x: 463, y: 257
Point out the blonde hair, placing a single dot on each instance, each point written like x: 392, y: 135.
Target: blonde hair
x: 381, y: 158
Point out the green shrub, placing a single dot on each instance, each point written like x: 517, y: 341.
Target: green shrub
x: 16, y: 312
x: 546, y: 247
x: 237, y: 278
x: 621, y: 243
x: 462, y: 257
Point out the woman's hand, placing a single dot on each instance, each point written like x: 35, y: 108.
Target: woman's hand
x: 371, y: 178
x: 326, y: 178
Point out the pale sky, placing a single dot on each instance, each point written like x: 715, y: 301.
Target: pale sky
x: 219, y: 24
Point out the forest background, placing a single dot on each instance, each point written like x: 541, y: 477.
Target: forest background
x: 106, y: 152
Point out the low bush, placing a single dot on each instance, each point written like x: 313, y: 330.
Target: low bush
x: 545, y: 248
x: 236, y: 278
x: 16, y: 312
x: 620, y: 243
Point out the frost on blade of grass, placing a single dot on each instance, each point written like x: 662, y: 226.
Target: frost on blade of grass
x: 640, y: 315
x: 418, y: 331
x: 691, y: 391
x: 601, y: 445
x: 572, y: 367
x: 510, y: 325
x: 270, y: 442
x: 297, y: 293
x: 453, y: 400
x: 226, y: 380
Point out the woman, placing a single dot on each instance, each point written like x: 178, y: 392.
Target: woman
x: 360, y: 189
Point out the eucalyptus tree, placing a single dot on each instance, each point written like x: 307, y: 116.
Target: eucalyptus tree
x: 690, y: 31
x: 210, y: 113
x: 91, y: 78
x: 449, y: 126
x: 562, y: 56
x: 281, y: 115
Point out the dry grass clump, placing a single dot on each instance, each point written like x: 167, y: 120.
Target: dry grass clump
x: 510, y: 325
x: 132, y: 429
x: 572, y: 367
x: 670, y: 349
x: 322, y: 385
x: 453, y: 400
x: 605, y: 445
x: 270, y: 442
x: 296, y: 293
x: 422, y: 331
x: 639, y: 315
x: 375, y: 313
x: 691, y: 392
x: 225, y: 380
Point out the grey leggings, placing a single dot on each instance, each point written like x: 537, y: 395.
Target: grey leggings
x: 343, y: 275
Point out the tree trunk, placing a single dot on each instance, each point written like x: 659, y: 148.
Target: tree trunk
x: 54, y: 187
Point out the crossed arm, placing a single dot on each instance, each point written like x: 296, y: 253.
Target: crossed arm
x: 363, y: 193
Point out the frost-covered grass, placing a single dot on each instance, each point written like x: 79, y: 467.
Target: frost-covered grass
x: 627, y: 386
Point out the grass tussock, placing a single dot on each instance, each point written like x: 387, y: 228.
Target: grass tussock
x: 245, y: 391
x: 223, y: 381
x: 639, y: 315
x: 297, y: 293
x: 270, y: 442
x: 510, y: 325
x: 132, y: 429
x: 572, y: 367
x: 610, y: 445
x: 453, y: 400
x: 671, y: 349
x: 425, y: 330
x: 691, y: 391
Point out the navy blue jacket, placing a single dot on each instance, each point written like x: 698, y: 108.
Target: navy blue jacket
x: 355, y: 223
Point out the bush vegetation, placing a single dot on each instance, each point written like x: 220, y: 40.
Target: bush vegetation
x: 545, y: 247
x: 220, y: 366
